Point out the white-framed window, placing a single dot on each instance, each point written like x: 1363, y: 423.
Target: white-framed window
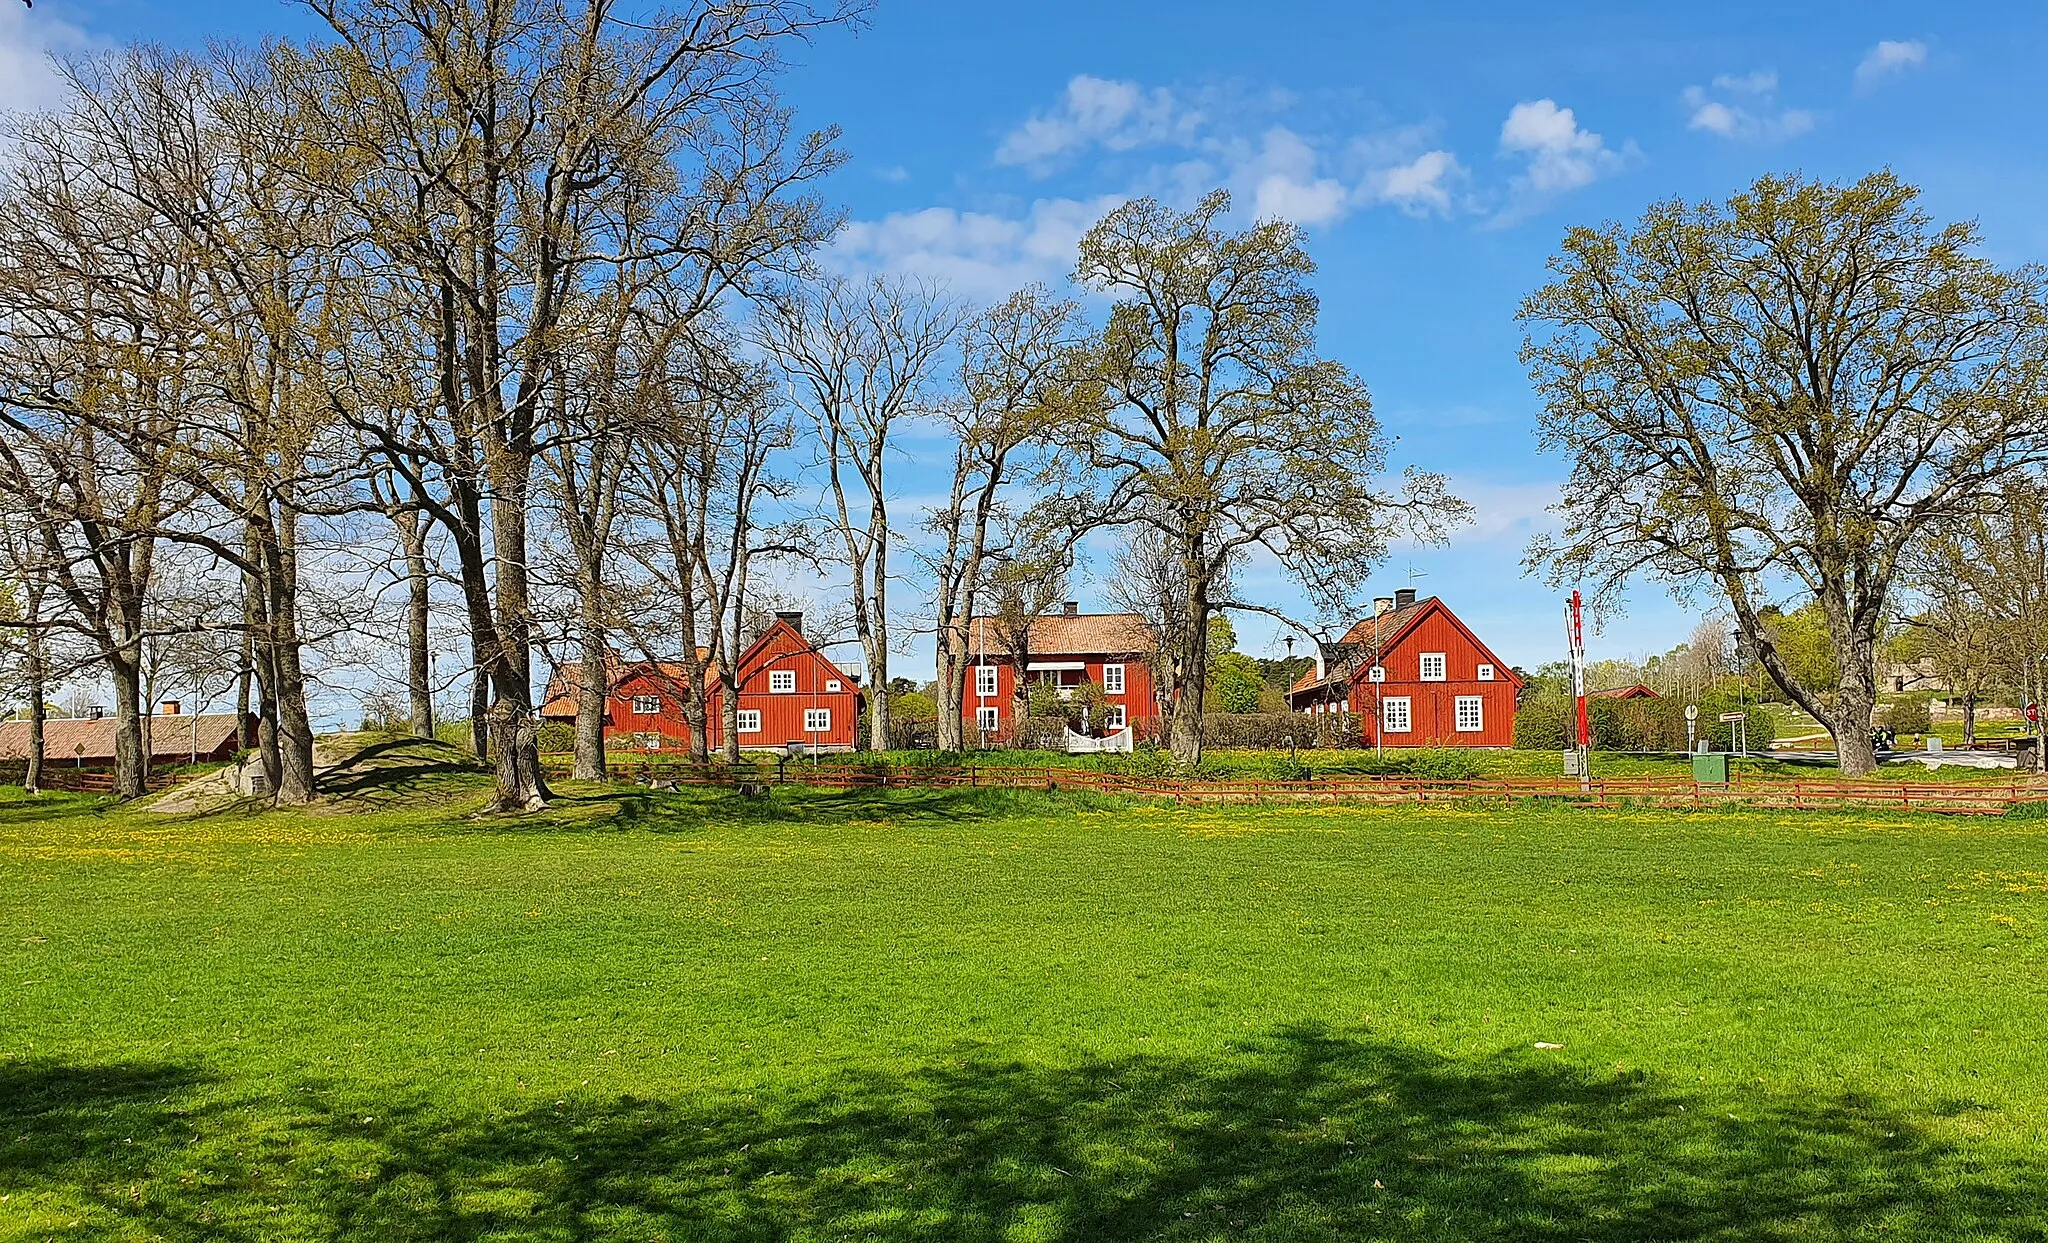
x: 1112, y: 716
x: 1486, y: 673
x: 782, y: 681
x: 1470, y: 714
x: 1113, y: 681
x: 1432, y: 666
x: 750, y: 720
x: 1378, y: 673
x: 832, y: 686
x: 984, y: 681
x: 646, y: 705
x: 990, y: 719
x: 817, y: 720
x: 1394, y: 714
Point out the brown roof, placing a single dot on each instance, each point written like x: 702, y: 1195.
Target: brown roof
x: 170, y: 737
x: 1358, y: 644
x: 1079, y: 634
x: 560, y: 701
x: 1638, y: 691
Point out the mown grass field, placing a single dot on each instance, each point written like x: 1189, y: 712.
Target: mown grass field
x: 970, y: 1016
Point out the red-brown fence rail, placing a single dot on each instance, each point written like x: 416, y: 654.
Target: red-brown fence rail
x: 100, y: 781
x: 1960, y: 798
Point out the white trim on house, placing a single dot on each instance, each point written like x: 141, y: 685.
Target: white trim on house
x: 782, y: 681
x: 749, y: 720
x: 1113, y: 681
x: 1432, y: 667
x: 817, y: 720
x: 1055, y: 666
x: 987, y: 681
x: 1469, y: 714
x: 1396, y: 716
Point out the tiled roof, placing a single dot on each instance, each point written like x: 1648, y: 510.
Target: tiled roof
x: 169, y: 737
x: 1357, y: 644
x: 1080, y: 634
x: 560, y: 701
x: 1637, y: 691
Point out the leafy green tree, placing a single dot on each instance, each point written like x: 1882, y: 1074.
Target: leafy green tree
x: 1212, y: 420
x: 1792, y: 387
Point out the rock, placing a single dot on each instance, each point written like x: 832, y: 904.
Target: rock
x: 1545, y: 1044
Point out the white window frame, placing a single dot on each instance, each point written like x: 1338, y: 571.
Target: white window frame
x: 832, y: 686
x: 641, y: 705
x: 750, y: 720
x: 1378, y: 673
x: 987, y: 681
x: 1486, y: 673
x: 1442, y: 668
x: 1113, y: 717
x: 989, y: 720
x: 1397, y: 708
x: 782, y: 681
x: 1477, y: 704
x: 649, y: 741
x: 817, y: 720
x: 1113, y: 681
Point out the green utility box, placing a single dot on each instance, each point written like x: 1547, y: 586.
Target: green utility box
x: 1710, y: 769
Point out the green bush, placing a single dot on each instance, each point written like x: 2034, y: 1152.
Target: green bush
x: 1908, y: 714
x: 554, y: 737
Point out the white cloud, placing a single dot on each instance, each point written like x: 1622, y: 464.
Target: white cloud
x: 28, y: 38
x: 892, y: 173
x: 1889, y: 58
x: 1560, y: 155
x: 1759, y: 82
x: 978, y: 255
x: 1284, y: 183
x: 1749, y: 110
x: 1113, y: 114
x: 1419, y: 187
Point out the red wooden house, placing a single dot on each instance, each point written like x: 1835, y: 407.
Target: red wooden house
x: 1414, y: 676
x: 1062, y: 650
x: 789, y: 691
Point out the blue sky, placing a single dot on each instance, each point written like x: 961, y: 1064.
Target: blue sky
x: 1435, y: 154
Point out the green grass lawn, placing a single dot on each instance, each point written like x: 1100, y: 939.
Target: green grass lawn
x: 980, y: 1016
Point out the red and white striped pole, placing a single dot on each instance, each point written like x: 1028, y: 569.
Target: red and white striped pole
x: 1575, y: 638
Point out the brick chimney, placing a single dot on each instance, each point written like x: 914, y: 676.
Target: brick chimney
x: 1073, y: 608
x: 169, y: 707
x: 1382, y: 605
x: 1403, y: 597
x: 795, y: 620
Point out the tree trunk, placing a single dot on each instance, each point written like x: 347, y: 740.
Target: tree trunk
x: 952, y: 732
x: 876, y: 649
x: 593, y: 687
x: 38, y: 689
x: 729, y: 712
x: 131, y: 765
x: 1855, y: 699
x: 419, y: 664
x: 1185, y: 728
x: 1969, y: 719
x: 480, y: 711
x: 521, y: 787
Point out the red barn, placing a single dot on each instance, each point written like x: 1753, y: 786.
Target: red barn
x: 1063, y: 649
x: 789, y: 691
x: 1415, y: 676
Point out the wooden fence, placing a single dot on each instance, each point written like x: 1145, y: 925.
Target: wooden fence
x: 1958, y: 798
x: 98, y: 780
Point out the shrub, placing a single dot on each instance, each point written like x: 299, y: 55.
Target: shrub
x: 553, y: 737
x: 1442, y: 764
x: 1908, y: 714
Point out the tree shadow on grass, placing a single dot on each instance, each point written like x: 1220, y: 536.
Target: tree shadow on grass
x: 1301, y: 1135
x: 397, y: 771
x: 629, y: 808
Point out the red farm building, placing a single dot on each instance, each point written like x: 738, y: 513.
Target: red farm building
x: 789, y: 691
x: 1064, y: 650
x: 1414, y: 676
